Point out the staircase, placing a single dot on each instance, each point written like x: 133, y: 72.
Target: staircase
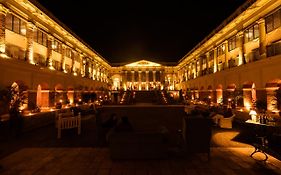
x: 145, y: 97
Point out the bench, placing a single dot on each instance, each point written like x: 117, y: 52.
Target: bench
x: 68, y: 121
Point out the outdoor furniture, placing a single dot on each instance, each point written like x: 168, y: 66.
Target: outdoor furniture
x: 68, y: 121
x: 137, y: 145
x: 197, y: 133
x: 226, y: 122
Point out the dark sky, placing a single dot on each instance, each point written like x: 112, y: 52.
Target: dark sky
x: 126, y: 31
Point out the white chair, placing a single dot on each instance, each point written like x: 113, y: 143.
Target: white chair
x: 226, y: 122
x: 68, y: 121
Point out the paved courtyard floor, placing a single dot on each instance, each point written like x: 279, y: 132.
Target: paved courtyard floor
x: 40, y: 152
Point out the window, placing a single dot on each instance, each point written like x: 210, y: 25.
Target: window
x: 251, y: 33
x: 273, y: 21
x: 68, y: 52
x: 232, y: 43
x: 15, y: 24
x: 221, y: 49
x: 56, y: 46
x: 40, y: 37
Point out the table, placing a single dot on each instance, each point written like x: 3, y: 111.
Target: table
x: 262, y: 132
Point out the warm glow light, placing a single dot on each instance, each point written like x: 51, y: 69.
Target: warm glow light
x: 253, y: 115
x: 143, y: 63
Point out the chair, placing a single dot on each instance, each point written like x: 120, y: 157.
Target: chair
x: 226, y: 122
x: 68, y: 121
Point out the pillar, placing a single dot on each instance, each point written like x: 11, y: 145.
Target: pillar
x: 240, y: 45
x: 3, y: 13
x: 73, y: 61
x: 133, y: 76
x: 262, y: 38
x: 226, y: 55
x: 200, y: 66
x: 81, y: 65
x: 154, y: 76
x: 29, y: 47
x: 215, y: 61
x: 196, y: 71
x: 207, y: 61
x: 49, y: 52
x: 139, y: 80
x: 63, y: 57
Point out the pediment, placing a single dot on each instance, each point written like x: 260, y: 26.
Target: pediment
x: 143, y: 63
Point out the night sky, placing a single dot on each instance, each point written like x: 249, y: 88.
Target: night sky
x: 127, y: 31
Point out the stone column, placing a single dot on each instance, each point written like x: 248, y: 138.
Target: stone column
x: 226, y: 55
x: 82, y: 62
x: 262, y: 38
x: 93, y: 70
x: 154, y: 76
x: 73, y: 55
x: 86, y: 63
x: 30, y: 27
x: 215, y: 60
x: 240, y: 45
x: 63, y: 53
x: 3, y: 13
x: 200, y: 66
x: 196, y: 71
x: 49, y: 52
x: 207, y: 62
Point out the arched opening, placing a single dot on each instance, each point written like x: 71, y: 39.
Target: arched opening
x: 42, y: 96
x: 60, y: 97
x: 70, y: 95
x: 210, y: 94
x: 273, y: 95
x: 229, y: 96
x: 219, y: 94
x: 249, y: 95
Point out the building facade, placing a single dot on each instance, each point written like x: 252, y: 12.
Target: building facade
x: 238, y: 62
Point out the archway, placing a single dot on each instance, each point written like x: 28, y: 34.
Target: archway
x: 219, y: 94
x: 42, y: 95
x: 273, y: 95
x: 249, y: 95
x: 229, y: 96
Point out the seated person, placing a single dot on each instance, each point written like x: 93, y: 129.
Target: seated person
x: 124, y: 125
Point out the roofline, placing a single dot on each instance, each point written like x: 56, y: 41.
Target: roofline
x: 49, y: 14
x: 225, y: 22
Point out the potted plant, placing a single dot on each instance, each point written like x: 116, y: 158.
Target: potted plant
x: 17, y: 98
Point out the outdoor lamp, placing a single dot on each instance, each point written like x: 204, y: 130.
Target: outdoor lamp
x: 253, y: 115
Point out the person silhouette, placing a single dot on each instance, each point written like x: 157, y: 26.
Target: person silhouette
x: 124, y: 125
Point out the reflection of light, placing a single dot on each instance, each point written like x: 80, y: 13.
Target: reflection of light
x: 61, y: 100
x: 23, y: 31
x: 80, y: 99
x: 253, y: 115
x: 30, y: 114
x: 247, y: 105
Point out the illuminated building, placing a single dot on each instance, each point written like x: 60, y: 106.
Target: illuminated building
x: 239, y: 58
